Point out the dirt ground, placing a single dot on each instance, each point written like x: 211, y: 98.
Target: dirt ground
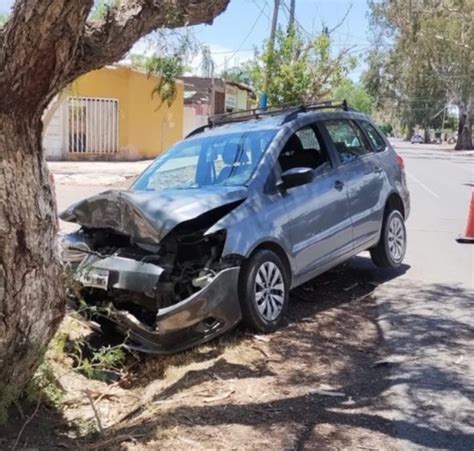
x: 312, y: 384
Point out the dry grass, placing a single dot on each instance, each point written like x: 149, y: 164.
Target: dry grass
x: 237, y: 392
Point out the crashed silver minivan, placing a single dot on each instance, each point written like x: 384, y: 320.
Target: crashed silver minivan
x: 220, y: 227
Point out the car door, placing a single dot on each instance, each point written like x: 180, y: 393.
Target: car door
x: 318, y: 222
x: 363, y: 176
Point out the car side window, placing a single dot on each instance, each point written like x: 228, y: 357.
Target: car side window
x: 308, y: 138
x: 303, y: 150
x: 374, y: 136
x: 348, y: 139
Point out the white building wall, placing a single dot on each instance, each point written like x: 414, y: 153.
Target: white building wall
x: 54, y: 138
x: 192, y: 120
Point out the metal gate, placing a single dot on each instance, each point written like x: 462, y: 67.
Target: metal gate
x: 93, y: 125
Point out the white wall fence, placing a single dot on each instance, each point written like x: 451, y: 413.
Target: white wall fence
x: 83, y: 125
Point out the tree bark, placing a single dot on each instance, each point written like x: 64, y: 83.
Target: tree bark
x: 426, y: 137
x: 44, y: 46
x: 31, y: 298
x: 408, y: 133
x: 466, y: 119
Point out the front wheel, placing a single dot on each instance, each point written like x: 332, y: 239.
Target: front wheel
x: 263, y: 291
x: 391, y: 248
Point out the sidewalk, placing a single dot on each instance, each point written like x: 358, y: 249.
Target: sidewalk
x: 444, y: 148
x: 95, y: 172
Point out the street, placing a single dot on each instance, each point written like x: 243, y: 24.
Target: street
x: 426, y: 314
x: 440, y: 184
x: 424, y: 311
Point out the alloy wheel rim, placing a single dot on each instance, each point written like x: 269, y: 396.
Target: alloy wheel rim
x: 269, y: 291
x: 396, y: 239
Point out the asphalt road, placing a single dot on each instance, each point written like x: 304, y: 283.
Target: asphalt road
x: 425, y: 311
x: 67, y: 195
x: 440, y: 186
x: 426, y: 314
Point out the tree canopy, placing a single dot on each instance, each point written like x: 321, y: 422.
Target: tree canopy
x: 355, y: 94
x: 301, y: 68
x: 424, y: 61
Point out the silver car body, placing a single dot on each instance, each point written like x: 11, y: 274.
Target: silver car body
x: 315, y: 225
x: 312, y: 227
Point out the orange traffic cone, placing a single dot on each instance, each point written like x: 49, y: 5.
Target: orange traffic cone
x: 469, y: 234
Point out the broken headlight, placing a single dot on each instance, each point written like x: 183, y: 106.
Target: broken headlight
x: 74, y: 247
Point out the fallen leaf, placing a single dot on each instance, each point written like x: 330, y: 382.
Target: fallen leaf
x: 218, y: 398
x: 261, y: 338
x: 351, y: 287
x: 327, y: 392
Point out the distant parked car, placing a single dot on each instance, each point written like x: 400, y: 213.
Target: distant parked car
x: 417, y: 139
x: 452, y: 140
x: 220, y: 227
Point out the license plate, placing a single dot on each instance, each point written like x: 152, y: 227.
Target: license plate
x: 94, y: 278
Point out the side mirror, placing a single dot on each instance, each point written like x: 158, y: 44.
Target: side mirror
x: 296, y: 177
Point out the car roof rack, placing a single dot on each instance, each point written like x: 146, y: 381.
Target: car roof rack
x: 306, y: 107
x: 292, y: 110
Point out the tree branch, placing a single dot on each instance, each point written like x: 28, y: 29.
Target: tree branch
x: 46, y: 44
x: 339, y: 24
x: 109, y: 39
x: 38, y: 45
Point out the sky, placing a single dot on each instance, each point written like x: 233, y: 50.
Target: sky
x: 246, y: 23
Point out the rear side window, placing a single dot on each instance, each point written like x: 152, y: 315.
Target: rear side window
x: 374, y: 136
x: 303, y: 150
x: 348, y: 139
x: 308, y: 138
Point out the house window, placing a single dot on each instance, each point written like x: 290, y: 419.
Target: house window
x: 92, y: 125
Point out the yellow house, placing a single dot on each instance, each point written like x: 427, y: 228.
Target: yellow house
x: 111, y: 114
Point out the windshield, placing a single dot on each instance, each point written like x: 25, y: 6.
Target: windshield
x: 225, y: 160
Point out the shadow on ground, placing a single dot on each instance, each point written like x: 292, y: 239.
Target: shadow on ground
x: 320, y: 379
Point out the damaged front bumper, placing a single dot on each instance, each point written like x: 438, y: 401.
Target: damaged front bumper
x: 208, y: 313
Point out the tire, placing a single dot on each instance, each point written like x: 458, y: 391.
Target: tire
x: 263, y: 308
x: 391, y: 248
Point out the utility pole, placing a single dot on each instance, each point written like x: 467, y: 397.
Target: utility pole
x: 291, y: 22
x: 271, y: 46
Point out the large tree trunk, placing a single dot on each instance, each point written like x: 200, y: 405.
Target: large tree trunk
x: 31, y: 288
x: 45, y: 45
x: 466, y: 118
x: 427, y: 136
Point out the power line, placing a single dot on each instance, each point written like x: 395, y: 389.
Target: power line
x: 263, y: 9
x: 223, y: 52
x: 244, y: 40
x: 292, y: 12
x: 288, y: 12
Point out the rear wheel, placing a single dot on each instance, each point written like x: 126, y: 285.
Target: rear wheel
x: 263, y: 291
x: 391, y: 248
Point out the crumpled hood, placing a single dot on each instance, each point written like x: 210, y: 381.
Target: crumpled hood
x: 148, y: 216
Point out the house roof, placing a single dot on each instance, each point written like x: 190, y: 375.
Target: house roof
x: 135, y: 69
x: 240, y: 85
x: 198, y: 89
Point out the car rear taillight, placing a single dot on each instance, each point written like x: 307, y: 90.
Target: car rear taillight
x: 400, y: 162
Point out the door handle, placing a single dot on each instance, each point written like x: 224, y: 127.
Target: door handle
x: 377, y: 169
x: 339, y: 185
